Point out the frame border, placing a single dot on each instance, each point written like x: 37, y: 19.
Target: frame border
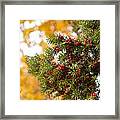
x: 52, y: 2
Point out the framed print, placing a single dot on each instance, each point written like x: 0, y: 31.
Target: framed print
x: 60, y: 60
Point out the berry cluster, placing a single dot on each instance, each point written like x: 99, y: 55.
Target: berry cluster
x: 73, y: 74
x: 61, y: 67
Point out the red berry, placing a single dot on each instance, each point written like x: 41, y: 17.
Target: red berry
x: 68, y: 47
x: 85, y: 42
x: 78, y: 71
x: 68, y: 41
x: 77, y: 44
x: 93, y: 94
x: 61, y: 67
x: 49, y: 72
x: 57, y: 49
x: 61, y: 37
x: 90, y: 43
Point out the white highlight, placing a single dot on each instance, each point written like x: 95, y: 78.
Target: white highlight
x: 21, y: 37
x: 28, y: 25
x: 35, y: 36
x: 32, y: 50
x: 39, y: 22
x: 69, y: 28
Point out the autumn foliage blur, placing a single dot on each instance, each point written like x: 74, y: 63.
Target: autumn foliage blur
x: 29, y: 85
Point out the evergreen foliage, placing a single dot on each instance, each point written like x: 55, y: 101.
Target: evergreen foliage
x: 70, y: 69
